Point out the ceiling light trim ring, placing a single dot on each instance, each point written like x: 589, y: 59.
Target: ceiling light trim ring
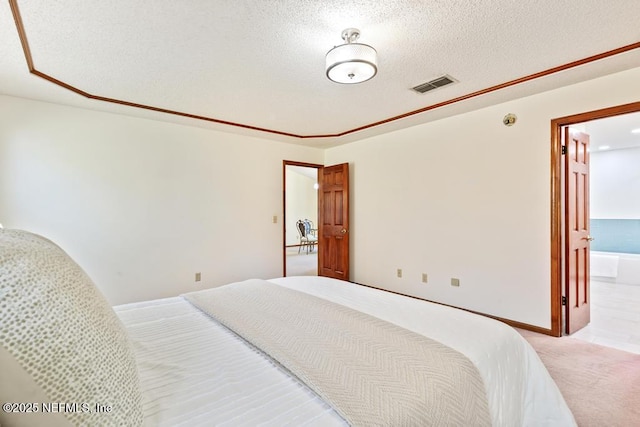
x: 373, y: 66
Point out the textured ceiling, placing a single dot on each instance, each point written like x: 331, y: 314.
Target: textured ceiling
x: 613, y: 133
x: 260, y: 64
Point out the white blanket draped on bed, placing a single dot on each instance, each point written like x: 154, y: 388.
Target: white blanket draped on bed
x: 195, y: 372
x: 372, y: 372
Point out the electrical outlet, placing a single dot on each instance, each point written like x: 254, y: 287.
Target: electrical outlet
x: 399, y: 272
x: 455, y: 282
x: 424, y: 277
x: 275, y: 219
x: 198, y: 277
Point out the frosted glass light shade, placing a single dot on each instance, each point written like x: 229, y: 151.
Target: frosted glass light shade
x: 351, y: 63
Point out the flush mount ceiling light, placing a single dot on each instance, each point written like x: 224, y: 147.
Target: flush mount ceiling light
x: 351, y: 62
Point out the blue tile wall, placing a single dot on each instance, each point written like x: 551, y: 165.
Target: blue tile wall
x: 616, y: 235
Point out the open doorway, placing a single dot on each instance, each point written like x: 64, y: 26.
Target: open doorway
x: 564, y: 269
x: 614, y: 222
x: 300, y: 224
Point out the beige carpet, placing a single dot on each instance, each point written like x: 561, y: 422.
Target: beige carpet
x: 303, y: 263
x: 600, y: 384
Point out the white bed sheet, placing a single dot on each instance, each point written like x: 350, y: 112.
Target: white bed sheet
x: 195, y: 372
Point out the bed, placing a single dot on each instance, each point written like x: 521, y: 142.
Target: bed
x: 203, y: 359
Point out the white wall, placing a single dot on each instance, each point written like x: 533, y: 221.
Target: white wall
x: 142, y: 205
x: 302, y: 203
x: 469, y: 198
x: 615, y: 184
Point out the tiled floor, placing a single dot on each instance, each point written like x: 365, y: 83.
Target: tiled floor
x: 615, y: 316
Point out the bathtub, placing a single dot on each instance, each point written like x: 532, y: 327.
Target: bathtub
x: 622, y: 268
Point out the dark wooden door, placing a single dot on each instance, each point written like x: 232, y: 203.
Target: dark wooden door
x: 333, y: 233
x: 577, y: 236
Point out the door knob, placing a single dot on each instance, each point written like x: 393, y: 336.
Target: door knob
x: 343, y: 231
x: 589, y: 238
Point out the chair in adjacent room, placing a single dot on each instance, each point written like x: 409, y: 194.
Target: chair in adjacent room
x: 307, y: 239
x: 310, y: 228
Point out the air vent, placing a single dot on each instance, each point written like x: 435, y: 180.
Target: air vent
x: 434, y: 84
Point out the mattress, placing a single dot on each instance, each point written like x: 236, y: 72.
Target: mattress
x: 194, y: 371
